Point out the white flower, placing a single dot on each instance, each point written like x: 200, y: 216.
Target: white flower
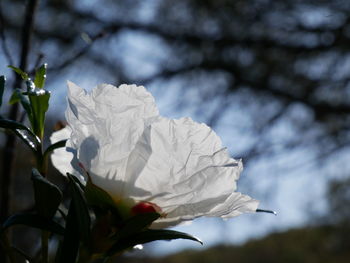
x: 138, y: 156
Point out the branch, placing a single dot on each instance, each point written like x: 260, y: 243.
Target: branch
x: 260, y: 85
x: 3, y: 39
x: 8, y: 158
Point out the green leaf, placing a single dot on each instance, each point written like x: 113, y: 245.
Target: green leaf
x: 136, y: 224
x: 2, y: 87
x: 147, y: 236
x: 54, y: 146
x: 77, y: 225
x: 32, y: 141
x: 13, y: 125
x: 96, y: 196
x: 99, y: 199
x: 23, y: 74
x: 34, y: 220
x: 47, y: 195
x: 20, y: 134
x: 36, y: 107
x: 69, y: 247
x: 40, y: 76
x: 77, y: 181
x: 81, y: 208
x: 17, y: 96
x: 39, y: 101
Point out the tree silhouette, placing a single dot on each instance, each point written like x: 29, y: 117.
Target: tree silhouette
x: 275, y: 72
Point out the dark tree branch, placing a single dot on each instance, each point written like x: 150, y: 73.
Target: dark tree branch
x: 9, y: 155
x: 3, y: 38
x: 259, y: 85
x: 10, y: 144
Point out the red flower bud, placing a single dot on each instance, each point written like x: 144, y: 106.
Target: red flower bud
x: 145, y: 207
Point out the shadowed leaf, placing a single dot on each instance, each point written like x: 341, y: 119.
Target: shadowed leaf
x: 54, y: 146
x: 136, y: 224
x: 34, y: 220
x: 146, y: 237
x: 47, y: 195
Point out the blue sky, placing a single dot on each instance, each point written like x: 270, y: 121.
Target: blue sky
x: 292, y: 183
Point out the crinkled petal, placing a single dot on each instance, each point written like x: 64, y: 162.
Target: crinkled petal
x: 185, y: 170
x: 234, y: 205
x: 106, y: 124
x: 109, y: 122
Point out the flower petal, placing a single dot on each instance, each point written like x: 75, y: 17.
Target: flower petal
x: 64, y: 159
x: 106, y: 125
x: 234, y: 205
x: 183, y: 166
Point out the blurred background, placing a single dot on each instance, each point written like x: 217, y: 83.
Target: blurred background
x: 270, y: 77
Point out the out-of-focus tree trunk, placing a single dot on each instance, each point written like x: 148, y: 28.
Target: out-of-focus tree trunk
x: 9, y: 153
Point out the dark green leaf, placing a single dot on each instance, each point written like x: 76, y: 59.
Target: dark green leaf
x: 147, y: 236
x: 81, y: 209
x: 135, y: 224
x: 32, y: 141
x: 70, y: 245
x: 77, y: 225
x: 54, y: 146
x: 96, y: 196
x: 20, y: 72
x: 20, y: 134
x: 2, y: 87
x: 17, y: 96
x: 40, y: 76
x: 47, y: 195
x: 35, y: 221
x: 76, y: 180
x: 13, y: 125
